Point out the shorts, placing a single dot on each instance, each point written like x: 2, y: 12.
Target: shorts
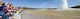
x: 10, y: 15
x: 9, y: 10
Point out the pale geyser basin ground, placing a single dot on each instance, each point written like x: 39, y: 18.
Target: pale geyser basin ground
x: 52, y: 14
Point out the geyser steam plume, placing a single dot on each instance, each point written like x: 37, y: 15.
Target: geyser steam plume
x: 64, y: 4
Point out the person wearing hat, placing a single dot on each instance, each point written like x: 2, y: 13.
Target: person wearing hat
x: 2, y: 9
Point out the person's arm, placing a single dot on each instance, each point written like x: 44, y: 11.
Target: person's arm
x: 6, y: 3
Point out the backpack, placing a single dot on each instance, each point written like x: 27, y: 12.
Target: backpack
x: 2, y: 7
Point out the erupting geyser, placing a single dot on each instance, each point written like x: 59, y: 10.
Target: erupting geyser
x: 64, y: 4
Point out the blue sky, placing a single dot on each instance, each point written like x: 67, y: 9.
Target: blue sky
x: 42, y: 3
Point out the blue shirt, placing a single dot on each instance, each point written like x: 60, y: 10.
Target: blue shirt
x: 3, y: 7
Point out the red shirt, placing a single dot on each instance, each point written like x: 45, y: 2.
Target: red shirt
x: 9, y: 8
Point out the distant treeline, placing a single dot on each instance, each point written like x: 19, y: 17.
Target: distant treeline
x: 78, y: 6
x: 35, y: 8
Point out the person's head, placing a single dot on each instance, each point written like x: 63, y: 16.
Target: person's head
x: 1, y: 1
x: 18, y: 7
x: 9, y: 5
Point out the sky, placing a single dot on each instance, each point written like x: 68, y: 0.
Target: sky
x: 42, y: 3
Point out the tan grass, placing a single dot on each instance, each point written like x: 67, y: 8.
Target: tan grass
x: 68, y: 14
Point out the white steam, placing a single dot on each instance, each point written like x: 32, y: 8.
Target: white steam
x: 64, y: 4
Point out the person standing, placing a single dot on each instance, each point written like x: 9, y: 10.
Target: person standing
x: 9, y: 11
x: 2, y: 9
x: 17, y: 14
